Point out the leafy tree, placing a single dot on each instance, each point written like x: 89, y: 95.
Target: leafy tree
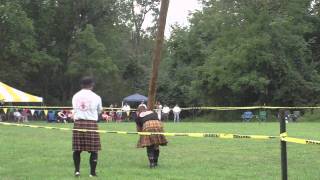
x: 246, y: 52
x: 17, y: 42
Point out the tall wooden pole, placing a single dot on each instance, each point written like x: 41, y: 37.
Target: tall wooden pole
x: 157, y: 53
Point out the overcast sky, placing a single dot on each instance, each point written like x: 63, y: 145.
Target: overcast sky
x: 178, y: 13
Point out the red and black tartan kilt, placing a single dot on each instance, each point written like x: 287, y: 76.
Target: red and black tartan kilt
x: 85, y: 141
x: 152, y: 126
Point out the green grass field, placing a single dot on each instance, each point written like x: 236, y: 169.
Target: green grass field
x: 28, y: 153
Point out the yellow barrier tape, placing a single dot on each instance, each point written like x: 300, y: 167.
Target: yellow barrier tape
x: 204, y: 135
x: 283, y: 136
x: 54, y: 107
x: 64, y: 129
x: 294, y: 140
x: 218, y: 108
x: 249, y: 108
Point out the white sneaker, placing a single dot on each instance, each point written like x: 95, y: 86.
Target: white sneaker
x: 77, y: 174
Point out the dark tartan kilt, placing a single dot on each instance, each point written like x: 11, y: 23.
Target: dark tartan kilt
x: 85, y: 141
x: 152, y: 126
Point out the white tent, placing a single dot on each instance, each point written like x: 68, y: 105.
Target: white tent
x: 10, y: 94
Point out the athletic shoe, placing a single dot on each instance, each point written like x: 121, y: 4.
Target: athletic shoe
x: 77, y: 174
x: 93, y: 175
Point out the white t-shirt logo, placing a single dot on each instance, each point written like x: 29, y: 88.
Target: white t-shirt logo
x: 83, y: 105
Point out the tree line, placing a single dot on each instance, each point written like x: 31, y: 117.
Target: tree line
x: 234, y: 52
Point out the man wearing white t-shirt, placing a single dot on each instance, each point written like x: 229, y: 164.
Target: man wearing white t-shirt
x: 159, y: 110
x: 165, y: 110
x: 126, y: 109
x: 176, y: 112
x: 86, y: 105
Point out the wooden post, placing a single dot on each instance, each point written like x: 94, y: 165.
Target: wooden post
x: 157, y: 53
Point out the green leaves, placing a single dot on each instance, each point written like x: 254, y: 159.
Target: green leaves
x: 234, y: 52
x: 89, y: 55
x: 245, y: 53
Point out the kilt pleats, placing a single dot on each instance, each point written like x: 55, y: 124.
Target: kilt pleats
x: 85, y: 141
x: 152, y: 126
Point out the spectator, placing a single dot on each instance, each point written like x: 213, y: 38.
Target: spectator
x: 106, y: 117
x: 111, y: 107
x: 112, y: 115
x: 159, y: 110
x: 69, y: 114
x: 112, y: 112
x: 17, y: 116
x: 176, y: 112
x: 37, y: 115
x: 118, y: 114
x: 62, y: 116
x: 126, y: 109
x: 24, y: 115
x: 165, y: 112
x: 51, y: 116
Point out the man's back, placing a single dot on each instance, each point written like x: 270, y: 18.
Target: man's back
x: 86, y: 105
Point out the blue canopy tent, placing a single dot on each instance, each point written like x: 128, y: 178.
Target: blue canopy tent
x: 135, y: 98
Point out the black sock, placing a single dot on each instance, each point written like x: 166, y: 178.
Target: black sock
x: 93, y: 162
x: 151, y: 154
x: 76, y: 160
x: 157, y: 153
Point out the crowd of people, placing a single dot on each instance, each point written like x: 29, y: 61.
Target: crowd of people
x: 126, y: 113
x: 111, y: 114
x: 20, y: 115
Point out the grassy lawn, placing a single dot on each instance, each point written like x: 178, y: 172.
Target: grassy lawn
x: 28, y: 153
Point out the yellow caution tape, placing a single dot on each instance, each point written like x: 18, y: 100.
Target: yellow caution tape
x: 249, y: 108
x: 5, y: 108
x: 212, y: 135
x: 38, y: 107
x: 283, y: 136
x: 218, y: 108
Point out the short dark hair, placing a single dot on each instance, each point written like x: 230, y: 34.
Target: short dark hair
x: 87, y: 81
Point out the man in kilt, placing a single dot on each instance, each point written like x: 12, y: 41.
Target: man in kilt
x: 148, y: 121
x: 86, y: 105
